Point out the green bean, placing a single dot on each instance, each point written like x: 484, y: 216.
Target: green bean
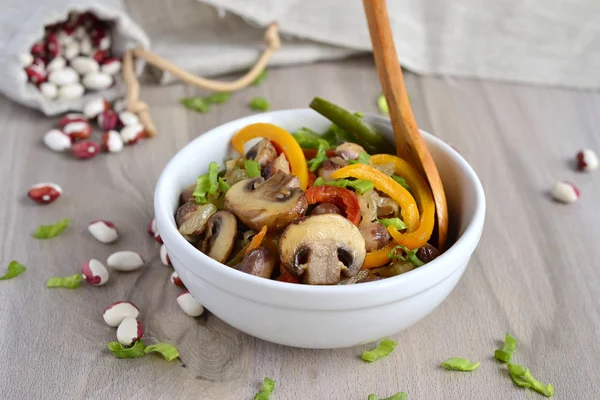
x: 363, y: 133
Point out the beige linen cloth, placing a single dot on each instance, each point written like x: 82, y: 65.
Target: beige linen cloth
x: 546, y: 42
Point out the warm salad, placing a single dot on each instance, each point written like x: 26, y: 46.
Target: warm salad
x: 319, y: 209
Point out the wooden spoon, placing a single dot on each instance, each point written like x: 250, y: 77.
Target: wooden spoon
x: 409, y: 142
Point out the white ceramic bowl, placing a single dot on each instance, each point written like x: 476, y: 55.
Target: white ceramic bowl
x: 317, y: 316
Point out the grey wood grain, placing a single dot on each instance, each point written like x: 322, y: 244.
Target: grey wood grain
x: 535, y: 273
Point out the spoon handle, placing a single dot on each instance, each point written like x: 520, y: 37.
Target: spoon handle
x: 409, y: 142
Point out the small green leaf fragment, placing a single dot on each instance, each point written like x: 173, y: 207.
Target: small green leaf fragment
x: 213, y: 175
x: 13, y: 270
x: 197, y: 104
x: 218, y: 98
x: 50, y: 231
x: 267, y: 388
x: 397, y: 396
x: 384, y: 349
x: 260, y: 78
x: 223, y: 186
x: 382, y: 105
x: 401, y: 181
x: 307, y: 138
x: 252, y: 168
x: 523, y: 378
x: 67, y: 282
x: 509, y: 347
x: 409, y: 256
x: 459, y: 364
x: 202, y: 188
x: 168, y: 351
x: 321, y: 156
x: 396, y: 222
x: 363, y: 158
x: 135, y: 351
x: 259, y: 104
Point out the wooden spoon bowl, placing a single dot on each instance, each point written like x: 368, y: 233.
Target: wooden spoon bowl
x: 409, y: 142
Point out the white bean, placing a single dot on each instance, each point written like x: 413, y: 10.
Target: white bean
x: 128, y: 118
x: 103, y: 231
x: 64, y: 76
x: 115, y: 313
x: 97, y: 80
x: 189, y: 304
x: 93, y: 107
x: 49, y: 90
x: 71, y: 50
x: 129, y: 331
x: 56, y: 64
x: 95, y: 272
x: 85, y: 65
x: 57, y: 140
x: 125, y: 261
x: 69, y: 92
x: 85, y: 46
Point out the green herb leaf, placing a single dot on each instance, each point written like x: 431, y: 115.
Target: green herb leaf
x: 260, y: 78
x: 259, y: 104
x: 135, y: 351
x: 505, y: 353
x: 168, y: 351
x: 384, y: 349
x: 218, y: 98
x: 522, y: 377
x: 363, y: 158
x: 321, y: 156
x: 197, y: 104
x: 411, y: 255
x: 13, y: 270
x: 459, y: 364
x: 266, y: 390
x: 402, y: 182
x: 307, y: 138
x: 397, y: 396
x: 223, y: 186
x: 382, y: 105
x: 397, y: 222
x: 50, y: 231
x: 336, y: 135
x: 252, y: 168
x: 360, y: 185
x: 202, y: 188
x: 67, y: 282
x: 213, y: 175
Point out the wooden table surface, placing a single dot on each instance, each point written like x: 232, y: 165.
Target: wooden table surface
x: 535, y: 273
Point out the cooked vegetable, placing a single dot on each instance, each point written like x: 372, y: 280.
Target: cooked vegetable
x: 283, y: 139
x: 259, y: 104
x: 308, y: 139
x: 408, y: 256
x: 375, y: 235
x: 267, y: 389
x: 363, y: 133
x: 274, y: 203
x: 256, y: 240
x: 378, y: 258
x: 401, y: 181
x: 428, y: 253
x: 522, y: 377
x: 398, y: 267
x: 383, y: 349
x: 414, y: 238
x: 385, y: 184
x: 326, y: 208
x: 459, y: 364
x: 192, y: 218
x: 221, y: 230
x: 395, y: 222
x: 342, y: 198
x: 262, y: 152
x: 320, y: 248
x: 352, y: 151
x: 207, y: 184
x: 505, y: 353
x: 135, y: 351
x: 67, y: 282
x: 397, y: 396
x: 382, y: 105
x: 321, y: 156
x: 259, y: 262
x: 50, y: 231
x: 360, y: 185
x: 363, y: 158
x: 252, y: 168
x: 197, y: 104
x: 168, y: 351
x: 218, y: 98
x: 13, y: 270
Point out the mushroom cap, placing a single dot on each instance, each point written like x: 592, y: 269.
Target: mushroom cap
x: 321, y: 248
x: 221, y: 229
x: 259, y: 262
x: 275, y: 202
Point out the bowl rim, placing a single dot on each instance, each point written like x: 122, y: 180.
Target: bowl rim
x: 414, y: 281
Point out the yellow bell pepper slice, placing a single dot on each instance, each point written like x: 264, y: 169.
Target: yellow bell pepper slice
x: 385, y: 184
x: 422, y: 191
x: 283, y: 139
x: 378, y: 258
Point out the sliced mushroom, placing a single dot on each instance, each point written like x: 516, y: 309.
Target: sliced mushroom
x: 259, y: 262
x: 322, y: 247
x: 194, y: 222
x: 221, y: 229
x: 186, y: 194
x: 327, y: 168
x: 275, y: 202
x: 376, y: 236
x: 428, y: 253
x: 326, y: 208
x: 263, y: 152
x: 279, y: 164
x: 349, y: 151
